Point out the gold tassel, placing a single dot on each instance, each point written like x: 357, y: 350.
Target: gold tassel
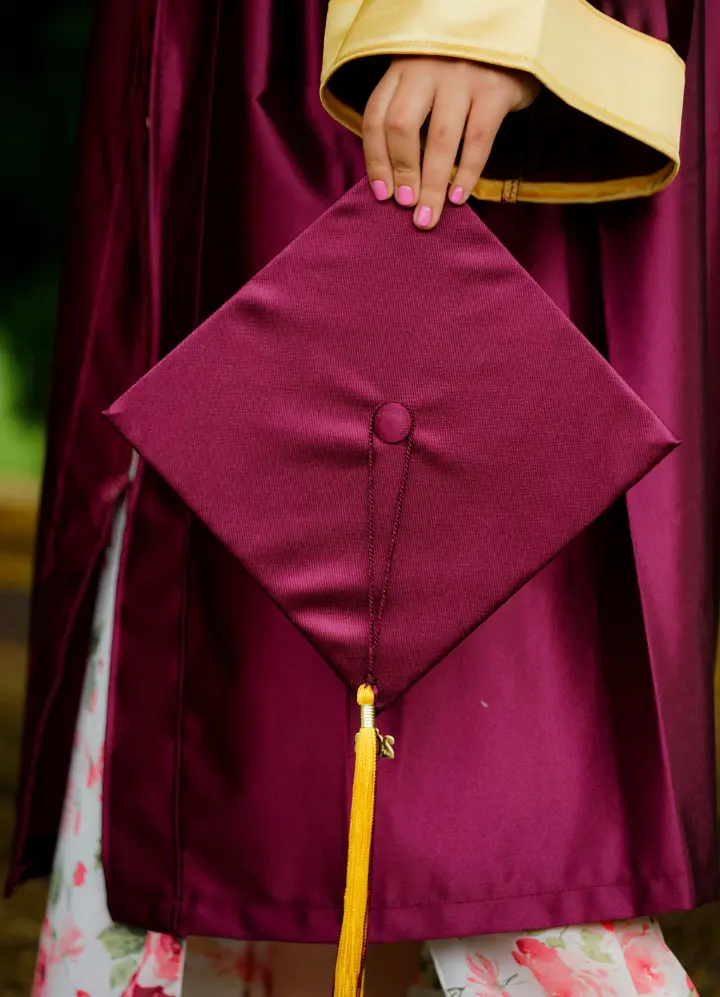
x: 349, y: 969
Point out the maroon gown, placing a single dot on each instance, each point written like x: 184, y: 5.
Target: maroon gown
x: 590, y: 794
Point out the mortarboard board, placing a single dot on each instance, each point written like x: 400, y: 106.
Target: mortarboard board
x: 393, y: 431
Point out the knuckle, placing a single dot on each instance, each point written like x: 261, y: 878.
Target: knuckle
x: 404, y: 169
x: 372, y: 121
x: 476, y: 138
x: 440, y: 140
x: 398, y: 124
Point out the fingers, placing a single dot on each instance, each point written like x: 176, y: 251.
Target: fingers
x: 377, y: 158
x: 392, y: 127
x: 406, y: 114
x: 447, y: 124
x: 482, y: 126
x: 392, y: 121
x: 468, y: 102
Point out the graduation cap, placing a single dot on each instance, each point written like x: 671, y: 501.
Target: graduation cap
x: 393, y: 431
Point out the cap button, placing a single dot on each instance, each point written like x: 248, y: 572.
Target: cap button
x: 392, y: 422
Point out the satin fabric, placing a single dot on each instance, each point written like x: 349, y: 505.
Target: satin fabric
x: 608, y: 118
x: 522, y: 435
x: 597, y: 674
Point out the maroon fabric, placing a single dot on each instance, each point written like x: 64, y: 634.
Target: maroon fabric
x: 521, y: 434
x: 584, y: 788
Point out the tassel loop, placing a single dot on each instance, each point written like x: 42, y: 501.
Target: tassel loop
x: 366, y: 702
x: 350, y: 966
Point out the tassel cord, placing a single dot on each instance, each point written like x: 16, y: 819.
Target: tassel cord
x: 349, y: 969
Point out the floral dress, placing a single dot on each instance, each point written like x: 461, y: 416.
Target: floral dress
x: 84, y: 954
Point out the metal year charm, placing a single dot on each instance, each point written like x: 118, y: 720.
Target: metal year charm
x: 386, y: 744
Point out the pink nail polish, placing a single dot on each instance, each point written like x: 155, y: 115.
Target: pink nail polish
x: 379, y: 189
x: 423, y: 216
x: 405, y: 196
x: 456, y: 195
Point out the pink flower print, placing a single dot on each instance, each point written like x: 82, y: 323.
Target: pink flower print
x: 92, y: 702
x: 486, y: 975
x: 690, y: 985
x: 69, y: 943
x: 79, y: 874
x: 644, y: 951
x: 240, y: 962
x: 166, y: 952
x: 94, y: 771
x: 43, y: 961
x: 81, y: 993
x: 245, y: 966
x: 76, y: 822
x: 642, y: 964
x: 264, y: 970
x: 555, y: 977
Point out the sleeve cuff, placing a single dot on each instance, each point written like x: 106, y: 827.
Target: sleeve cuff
x: 607, y: 128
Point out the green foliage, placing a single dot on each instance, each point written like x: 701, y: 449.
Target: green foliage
x: 592, y: 945
x: 121, y: 941
x: 21, y: 439
x: 121, y: 973
x: 555, y: 942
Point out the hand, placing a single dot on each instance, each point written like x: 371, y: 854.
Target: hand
x: 467, y: 102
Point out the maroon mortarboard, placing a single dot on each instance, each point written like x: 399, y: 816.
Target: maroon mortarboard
x: 393, y: 431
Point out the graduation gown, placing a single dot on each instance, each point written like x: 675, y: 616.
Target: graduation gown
x: 584, y: 789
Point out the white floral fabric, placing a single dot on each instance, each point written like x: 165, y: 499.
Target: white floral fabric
x: 616, y: 959
x: 83, y: 954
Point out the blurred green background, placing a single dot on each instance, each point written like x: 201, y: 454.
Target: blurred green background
x: 42, y: 46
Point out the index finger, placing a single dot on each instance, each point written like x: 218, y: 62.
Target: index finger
x: 377, y: 157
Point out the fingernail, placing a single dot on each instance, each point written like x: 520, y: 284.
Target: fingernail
x: 405, y: 196
x: 379, y: 189
x: 423, y: 216
x: 456, y: 195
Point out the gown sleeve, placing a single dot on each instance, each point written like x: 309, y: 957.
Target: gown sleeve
x: 607, y: 123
